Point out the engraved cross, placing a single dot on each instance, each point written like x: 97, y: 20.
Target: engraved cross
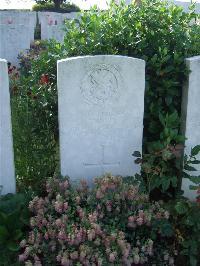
x: 102, y: 163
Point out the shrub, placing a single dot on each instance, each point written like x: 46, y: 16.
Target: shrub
x: 185, y: 218
x: 26, y: 57
x: 35, y: 141
x: 14, y: 221
x: 111, y: 224
x: 64, y: 8
x: 158, y: 32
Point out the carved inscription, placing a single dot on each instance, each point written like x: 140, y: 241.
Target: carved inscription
x: 103, y: 162
x: 101, y: 84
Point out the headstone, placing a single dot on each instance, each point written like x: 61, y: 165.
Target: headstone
x: 17, y: 32
x: 53, y: 24
x: 191, y: 115
x: 184, y: 5
x: 101, y: 105
x: 7, y: 173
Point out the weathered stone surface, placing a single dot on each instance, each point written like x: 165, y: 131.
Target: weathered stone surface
x: 16, y: 33
x: 7, y: 173
x: 191, y: 115
x: 101, y: 104
x: 53, y: 24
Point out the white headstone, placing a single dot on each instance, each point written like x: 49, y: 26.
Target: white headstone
x: 191, y: 115
x: 101, y: 104
x: 53, y: 24
x: 16, y: 33
x: 7, y: 173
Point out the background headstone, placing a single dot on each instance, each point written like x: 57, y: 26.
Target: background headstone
x: 7, y: 173
x: 191, y: 115
x: 53, y: 24
x: 16, y: 33
x: 101, y: 105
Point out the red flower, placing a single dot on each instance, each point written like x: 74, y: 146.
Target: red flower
x: 44, y: 79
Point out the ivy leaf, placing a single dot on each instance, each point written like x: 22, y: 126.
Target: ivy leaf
x: 165, y: 184
x: 174, y: 181
x: 3, y: 233
x: 193, y: 261
x: 195, y: 162
x: 195, y: 150
x: 195, y: 179
x: 138, y: 161
x: 181, y: 207
x: 189, y: 168
x: 13, y: 246
x: 193, y: 187
x: 166, y: 155
x: 136, y: 154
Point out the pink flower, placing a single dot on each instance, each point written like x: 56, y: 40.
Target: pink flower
x: 65, y: 206
x: 58, y: 258
x: 91, y: 234
x: 58, y: 222
x: 92, y: 217
x: 99, y: 194
x: 46, y: 236
x: 158, y: 215
x: 82, y: 255
x: 109, y: 206
x: 131, y: 225
x: 58, y: 206
x: 136, y: 259
x: 22, y: 257
x: 166, y: 215
x: 74, y: 255
x: 131, y: 219
x: 141, y: 214
x: 112, y: 257
x: 139, y: 221
x: 62, y: 235
x: 78, y: 199
x: 65, y: 261
x: 23, y: 243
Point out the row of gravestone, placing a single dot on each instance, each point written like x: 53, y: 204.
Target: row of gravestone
x: 100, y: 116
x: 17, y: 29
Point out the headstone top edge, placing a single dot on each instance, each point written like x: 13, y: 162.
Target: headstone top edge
x: 192, y: 59
x: 3, y: 60
x: 17, y: 11
x: 58, y: 13
x: 101, y: 57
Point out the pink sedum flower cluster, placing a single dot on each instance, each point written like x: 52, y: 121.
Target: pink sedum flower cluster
x: 109, y: 224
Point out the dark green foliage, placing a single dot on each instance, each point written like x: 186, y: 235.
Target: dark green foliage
x: 14, y: 220
x: 185, y: 217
